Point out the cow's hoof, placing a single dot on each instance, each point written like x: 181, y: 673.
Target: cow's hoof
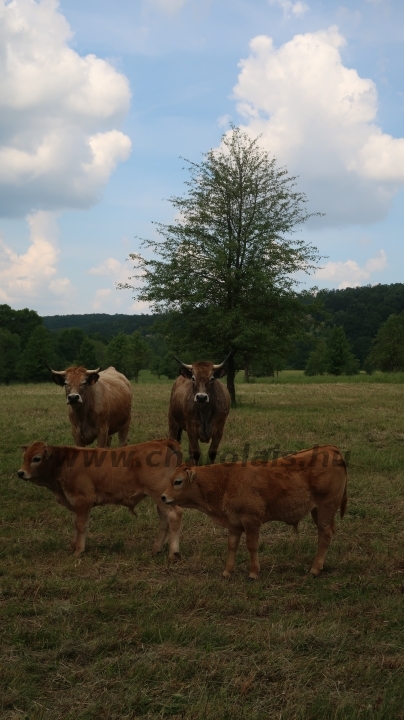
x: 253, y: 577
x: 78, y: 553
x: 226, y: 574
x: 175, y: 557
x: 314, y: 572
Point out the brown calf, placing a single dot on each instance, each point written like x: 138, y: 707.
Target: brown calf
x: 243, y: 496
x: 100, y: 404
x: 81, y: 479
x: 199, y: 404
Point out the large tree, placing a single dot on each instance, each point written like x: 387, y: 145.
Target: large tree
x: 387, y: 352
x: 223, y: 270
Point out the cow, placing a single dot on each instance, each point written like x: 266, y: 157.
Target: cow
x: 242, y: 496
x: 81, y: 478
x: 199, y: 404
x: 100, y: 404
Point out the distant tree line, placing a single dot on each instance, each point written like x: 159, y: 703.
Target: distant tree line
x: 342, y: 332
x: 27, y: 345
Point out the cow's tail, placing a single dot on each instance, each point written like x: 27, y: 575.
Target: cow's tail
x: 344, y: 499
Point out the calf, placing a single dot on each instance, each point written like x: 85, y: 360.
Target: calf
x: 243, y: 496
x: 81, y: 479
x: 100, y: 404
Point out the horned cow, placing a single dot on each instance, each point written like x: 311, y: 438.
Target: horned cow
x: 199, y: 404
x: 81, y: 479
x: 243, y: 496
x: 100, y: 404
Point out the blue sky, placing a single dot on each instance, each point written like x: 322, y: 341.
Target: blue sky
x: 100, y: 99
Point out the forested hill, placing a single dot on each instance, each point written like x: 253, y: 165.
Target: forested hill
x: 361, y: 311
x: 106, y: 325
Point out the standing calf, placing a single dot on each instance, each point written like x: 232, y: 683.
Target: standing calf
x: 81, y: 479
x: 243, y: 496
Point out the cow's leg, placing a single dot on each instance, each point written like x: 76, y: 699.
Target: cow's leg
x: 194, y: 450
x: 324, y: 519
x: 233, y: 543
x: 80, y: 523
x: 214, y: 445
x: 174, y: 430
x: 169, y: 520
x: 123, y: 433
x: 162, y: 531
x: 102, y: 436
x: 174, y: 522
x: 252, y: 538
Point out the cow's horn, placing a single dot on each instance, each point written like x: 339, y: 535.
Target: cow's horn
x: 55, y: 372
x: 188, y: 367
x: 217, y: 367
x: 90, y: 372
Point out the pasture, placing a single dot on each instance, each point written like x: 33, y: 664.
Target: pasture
x: 121, y: 634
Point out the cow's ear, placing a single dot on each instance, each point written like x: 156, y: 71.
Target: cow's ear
x: 92, y: 378
x: 191, y: 475
x: 185, y: 372
x: 59, y: 378
x: 220, y: 372
x: 47, y: 452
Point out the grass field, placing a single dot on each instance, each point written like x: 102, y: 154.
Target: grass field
x: 120, y: 634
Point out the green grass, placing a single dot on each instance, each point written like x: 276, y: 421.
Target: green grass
x: 119, y: 634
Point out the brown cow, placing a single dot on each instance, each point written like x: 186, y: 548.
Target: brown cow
x: 199, y: 404
x: 81, y: 479
x: 243, y: 496
x: 100, y: 404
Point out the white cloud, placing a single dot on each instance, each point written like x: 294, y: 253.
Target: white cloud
x: 318, y: 117
x: 117, y: 272
x: 349, y: 273
x: 58, y: 113
x: 33, y: 274
x: 296, y: 9
x: 223, y: 120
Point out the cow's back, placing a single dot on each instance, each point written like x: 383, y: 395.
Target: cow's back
x: 113, y: 396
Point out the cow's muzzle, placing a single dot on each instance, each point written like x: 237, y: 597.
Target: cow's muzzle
x: 73, y: 399
x: 21, y: 475
x: 201, y: 398
x: 166, y: 499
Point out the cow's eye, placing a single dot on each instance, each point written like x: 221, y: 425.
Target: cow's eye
x: 212, y: 378
x: 193, y: 378
x: 66, y: 384
x: 177, y: 482
x: 37, y: 458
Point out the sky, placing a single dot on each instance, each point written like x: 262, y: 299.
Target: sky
x: 100, y: 101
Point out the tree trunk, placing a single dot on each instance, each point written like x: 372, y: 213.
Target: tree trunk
x: 231, y: 374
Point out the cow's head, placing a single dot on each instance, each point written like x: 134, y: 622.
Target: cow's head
x: 203, y: 374
x: 35, y: 465
x: 180, y: 486
x: 76, y: 380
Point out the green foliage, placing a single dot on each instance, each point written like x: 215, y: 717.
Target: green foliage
x: 67, y: 345
x: 19, y: 322
x: 165, y: 365
x: 140, y: 352
x: 87, y: 355
x: 128, y: 354
x: 318, y: 360
x: 340, y: 359
x: 387, y: 353
x: 39, y: 350
x: 100, y: 326
x: 119, y: 354
x: 9, y: 354
x: 361, y: 311
x: 223, y: 271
